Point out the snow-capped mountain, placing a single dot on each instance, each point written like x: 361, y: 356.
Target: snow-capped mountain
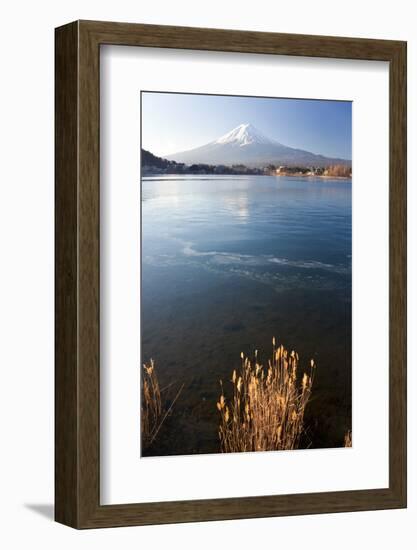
x: 247, y: 145
x: 244, y: 134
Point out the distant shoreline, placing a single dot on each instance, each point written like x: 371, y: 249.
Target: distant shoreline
x: 322, y: 176
x: 152, y: 165
x: 301, y: 175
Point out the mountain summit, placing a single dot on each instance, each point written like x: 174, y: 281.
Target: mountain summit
x: 245, y: 144
x: 244, y: 134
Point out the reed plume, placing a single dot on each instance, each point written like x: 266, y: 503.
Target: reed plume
x: 348, y: 439
x: 153, y: 414
x: 266, y: 410
x: 151, y: 410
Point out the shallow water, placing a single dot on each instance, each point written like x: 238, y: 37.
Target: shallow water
x: 228, y: 262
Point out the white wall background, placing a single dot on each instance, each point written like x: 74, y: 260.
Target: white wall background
x: 26, y: 272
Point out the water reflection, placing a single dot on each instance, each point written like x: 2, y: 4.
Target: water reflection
x: 228, y: 262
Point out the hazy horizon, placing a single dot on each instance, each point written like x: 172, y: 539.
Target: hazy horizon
x: 174, y: 122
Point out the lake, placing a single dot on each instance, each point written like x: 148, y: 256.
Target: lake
x: 228, y: 262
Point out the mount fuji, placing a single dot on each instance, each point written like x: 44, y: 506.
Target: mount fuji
x: 247, y: 145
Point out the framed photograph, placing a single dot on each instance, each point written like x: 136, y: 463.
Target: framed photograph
x: 230, y: 274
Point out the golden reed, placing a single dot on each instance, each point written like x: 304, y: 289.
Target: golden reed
x: 153, y: 414
x: 266, y: 411
x: 151, y: 409
x: 348, y: 439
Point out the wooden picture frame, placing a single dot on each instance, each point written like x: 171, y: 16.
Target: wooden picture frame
x: 77, y: 382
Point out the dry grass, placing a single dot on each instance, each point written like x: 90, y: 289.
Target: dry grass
x: 348, y: 439
x: 266, y: 411
x: 153, y: 415
x: 151, y: 410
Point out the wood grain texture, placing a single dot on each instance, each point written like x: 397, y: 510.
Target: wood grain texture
x: 66, y: 237
x: 398, y: 273
x: 78, y: 284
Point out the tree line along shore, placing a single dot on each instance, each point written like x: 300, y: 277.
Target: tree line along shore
x: 153, y: 165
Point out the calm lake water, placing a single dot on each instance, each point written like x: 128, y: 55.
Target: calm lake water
x: 228, y: 262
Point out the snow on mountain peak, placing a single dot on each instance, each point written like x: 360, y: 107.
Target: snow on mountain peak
x: 244, y: 134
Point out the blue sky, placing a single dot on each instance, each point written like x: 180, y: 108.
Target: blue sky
x: 177, y: 122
